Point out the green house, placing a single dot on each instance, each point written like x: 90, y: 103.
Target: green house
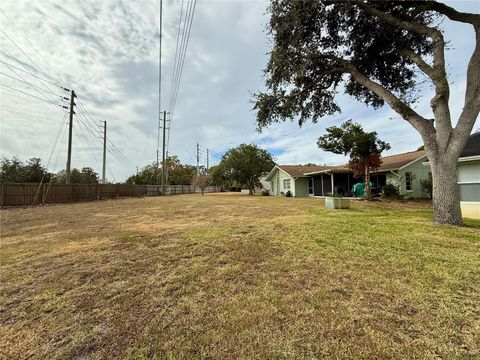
x: 406, y: 170
x: 291, y: 178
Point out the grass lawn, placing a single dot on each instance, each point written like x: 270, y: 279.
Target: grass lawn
x: 227, y: 276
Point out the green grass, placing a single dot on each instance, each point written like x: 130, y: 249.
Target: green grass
x: 228, y: 276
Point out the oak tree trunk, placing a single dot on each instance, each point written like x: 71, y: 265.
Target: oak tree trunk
x: 445, y: 193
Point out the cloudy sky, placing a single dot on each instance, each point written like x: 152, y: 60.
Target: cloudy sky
x: 107, y: 51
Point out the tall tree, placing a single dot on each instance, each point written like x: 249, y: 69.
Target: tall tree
x: 376, y: 50
x: 364, y: 149
x: 246, y: 163
x: 14, y: 170
x: 84, y: 176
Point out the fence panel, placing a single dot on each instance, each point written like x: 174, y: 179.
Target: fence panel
x: 21, y: 194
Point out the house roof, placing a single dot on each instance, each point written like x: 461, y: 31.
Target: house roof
x: 395, y: 162
x: 472, y: 148
x: 297, y: 170
x: 389, y: 163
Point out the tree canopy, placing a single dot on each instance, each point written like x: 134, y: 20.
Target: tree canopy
x: 14, y: 170
x: 178, y: 173
x: 84, y: 176
x: 244, y: 165
x: 364, y: 148
x: 379, y: 52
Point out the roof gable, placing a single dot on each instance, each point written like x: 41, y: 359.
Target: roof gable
x: 301, y: 170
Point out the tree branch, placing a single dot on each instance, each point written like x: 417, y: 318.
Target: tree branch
x: 471, y: 108
x: 416, y: 120
x: 435, y: 34
x: 451, y: 13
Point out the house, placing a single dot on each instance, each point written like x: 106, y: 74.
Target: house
x: 405, y: 170
x: 284, y: 178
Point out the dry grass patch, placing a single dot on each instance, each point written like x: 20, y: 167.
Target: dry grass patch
x: 231, y: 276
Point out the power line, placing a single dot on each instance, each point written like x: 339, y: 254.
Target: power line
x: 29, y: 84
x: 25, y: 93
x: 24, y: 66
x: 24, y: 53
x: 31, y: 74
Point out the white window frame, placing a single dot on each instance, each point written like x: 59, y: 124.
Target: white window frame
x: 409, y: 181
x: 285, y: 181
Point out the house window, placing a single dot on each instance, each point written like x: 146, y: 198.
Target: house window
x: 408, y: 181
x: 286, y: 184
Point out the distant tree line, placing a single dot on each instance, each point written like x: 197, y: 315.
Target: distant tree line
x: 240, y: 167
x: 32, y: 171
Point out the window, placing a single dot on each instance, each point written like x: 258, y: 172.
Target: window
x: 286, y: 184
x: 408, y: 181
x: 310, y: 186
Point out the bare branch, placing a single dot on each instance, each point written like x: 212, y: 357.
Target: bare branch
x: 417, y: 59
x: 471, y: 108
x: 451, y: 13
x: 410, y: 115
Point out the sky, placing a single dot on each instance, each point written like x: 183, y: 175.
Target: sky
x: 108, y: 51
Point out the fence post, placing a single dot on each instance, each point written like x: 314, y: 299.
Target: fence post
x: 118, y: 192
x: 2, y: 200
x: 44, y: 194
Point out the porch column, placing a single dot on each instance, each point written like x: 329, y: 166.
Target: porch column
x: 331, y: 178
x: 321, y: 177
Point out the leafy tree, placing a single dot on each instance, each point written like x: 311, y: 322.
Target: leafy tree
x: 14, y: 170
x: 146, y: 176
x: 363, y: 147
x: 220, y: 176
x: 246, y: 163
x: 377, y: 52
x: 84, y: 176
x: 177, y: 173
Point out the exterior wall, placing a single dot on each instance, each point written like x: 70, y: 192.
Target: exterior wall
x: 419, y: 172
x: 277, y: 183
x: 266, y: 185
x: 301, y: 187
x: 469, y: 186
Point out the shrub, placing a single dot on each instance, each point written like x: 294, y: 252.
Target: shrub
x: 265, y: 193
x: 391, y: 191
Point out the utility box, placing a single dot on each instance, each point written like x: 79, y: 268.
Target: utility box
x: 337, y: 203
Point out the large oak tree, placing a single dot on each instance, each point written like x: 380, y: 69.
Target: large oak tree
x: 375, y: 51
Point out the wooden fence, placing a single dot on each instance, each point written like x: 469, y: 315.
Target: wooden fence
x: 18, y: 194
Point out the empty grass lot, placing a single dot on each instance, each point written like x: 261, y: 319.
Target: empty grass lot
x: 231, y: 276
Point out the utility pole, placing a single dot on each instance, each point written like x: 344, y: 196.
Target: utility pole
x: 104, y: 167
x: 207, y: 161
x: 164, y: 148
x: 198, y: 159
x: 70, y: 127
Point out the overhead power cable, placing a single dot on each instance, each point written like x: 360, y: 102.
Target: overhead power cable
x: 33, y: 96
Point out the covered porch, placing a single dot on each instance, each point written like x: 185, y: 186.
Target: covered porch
x: 327, y: 183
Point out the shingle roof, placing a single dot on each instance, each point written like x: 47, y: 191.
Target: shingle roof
x: 394, y: 162
x: 472, y: 147
x: 301, y: 170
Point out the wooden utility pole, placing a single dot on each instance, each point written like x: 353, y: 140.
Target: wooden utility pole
x: 70, y: 127
x: 198, y: 159
x: 104, y: 167
x: 164, y: 148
